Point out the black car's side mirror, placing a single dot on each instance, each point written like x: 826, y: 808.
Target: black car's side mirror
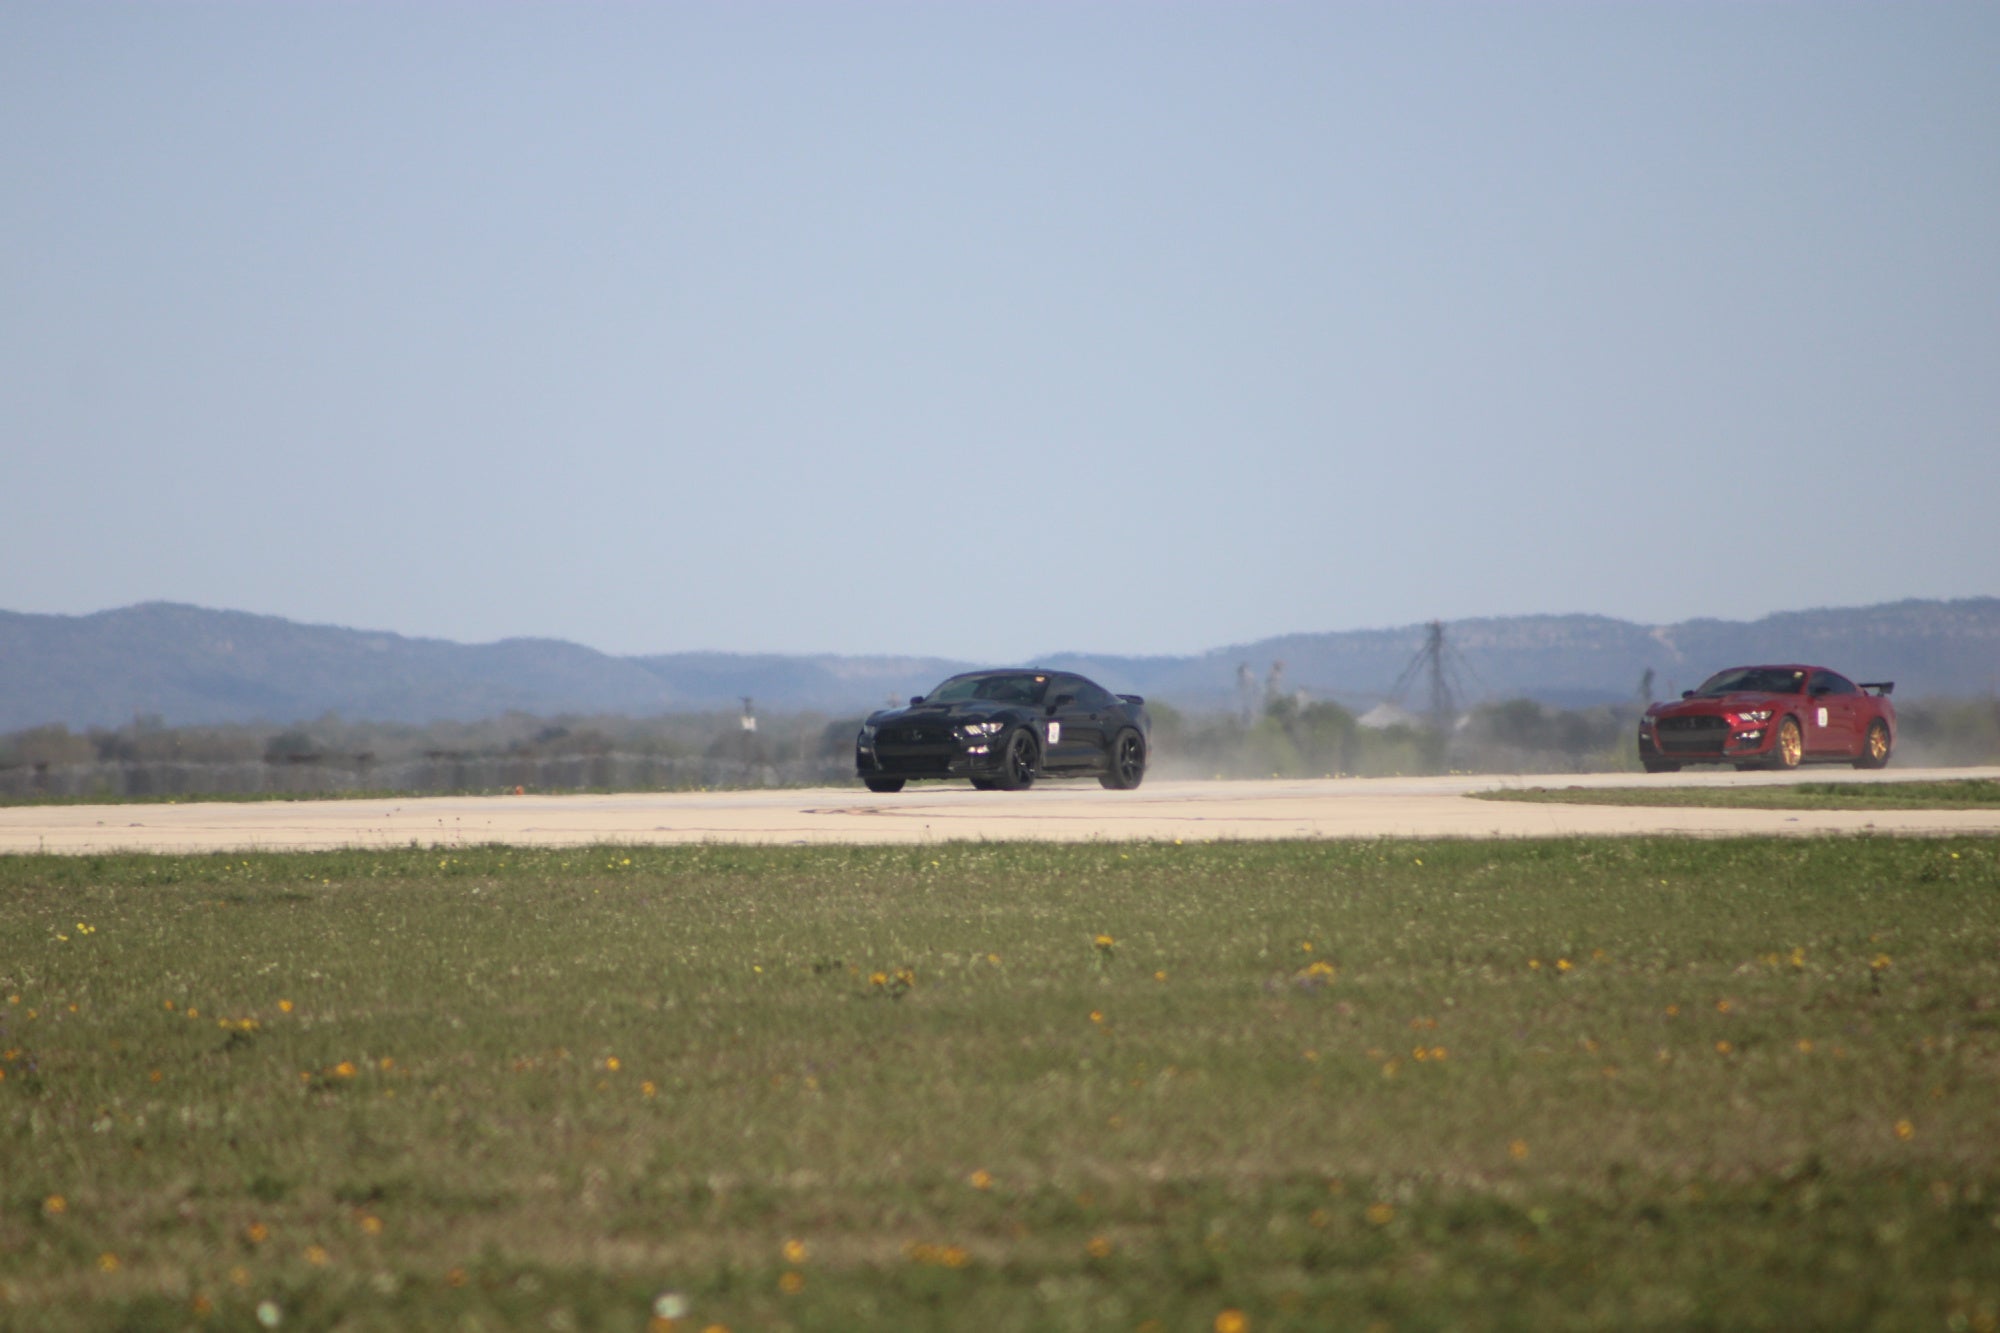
x: 1063, y: 701
x: 916, y: 699
x: 1687, y: 694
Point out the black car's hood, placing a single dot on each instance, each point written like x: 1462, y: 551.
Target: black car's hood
x: 965, y: 710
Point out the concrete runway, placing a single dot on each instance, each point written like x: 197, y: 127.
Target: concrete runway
x: 1430, y: 807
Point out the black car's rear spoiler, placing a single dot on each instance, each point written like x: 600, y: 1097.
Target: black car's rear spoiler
x: 1879, y: 686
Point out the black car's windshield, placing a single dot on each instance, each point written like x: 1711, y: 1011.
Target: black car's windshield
x: 1762, y: 680
x: 1018, y: 687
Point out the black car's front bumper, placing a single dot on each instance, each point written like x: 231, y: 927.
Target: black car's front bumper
x: 941, y: 753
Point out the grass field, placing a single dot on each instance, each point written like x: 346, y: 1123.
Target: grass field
x: 1955, y: 794
x: 1403, y: 1085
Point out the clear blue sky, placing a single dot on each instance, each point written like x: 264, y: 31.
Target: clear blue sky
x: 993, y: 329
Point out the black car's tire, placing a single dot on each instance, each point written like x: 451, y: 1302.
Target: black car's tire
x: 1790, y: 751
x: 1660, y: 766
x: 1128, y: 762
x: 1874, y: 749
x: 1017, y: 761
x: 885, y: 785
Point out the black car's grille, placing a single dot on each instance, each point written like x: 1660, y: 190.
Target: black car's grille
x: 916, y: 749
x: 1687, y: 735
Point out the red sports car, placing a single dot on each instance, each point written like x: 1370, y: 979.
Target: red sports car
x: 1772, y: 717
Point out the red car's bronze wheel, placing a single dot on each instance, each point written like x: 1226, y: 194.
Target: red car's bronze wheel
x: 1791, y: 746
x: 1875, y: 750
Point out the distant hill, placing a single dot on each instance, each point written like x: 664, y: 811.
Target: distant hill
x: 1926, y: 647
x: 192, y: 666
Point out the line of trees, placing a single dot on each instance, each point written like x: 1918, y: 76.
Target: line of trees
x: 1289, y: 737
x: 1286, y: 736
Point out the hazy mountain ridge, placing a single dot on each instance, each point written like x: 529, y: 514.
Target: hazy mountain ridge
x: 190, y: 666
x: 1927, y: 647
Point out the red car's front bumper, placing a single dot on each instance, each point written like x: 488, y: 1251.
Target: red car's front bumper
x: 1715, y: 738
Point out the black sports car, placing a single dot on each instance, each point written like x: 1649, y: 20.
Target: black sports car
x: 1004, y: 729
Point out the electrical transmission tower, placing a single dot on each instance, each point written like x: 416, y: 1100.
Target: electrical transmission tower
x: 1437, y: 664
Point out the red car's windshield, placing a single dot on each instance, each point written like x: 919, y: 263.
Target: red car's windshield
x: 1762, y: 680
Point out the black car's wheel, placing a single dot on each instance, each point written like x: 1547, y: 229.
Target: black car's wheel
x: 1017, y: 761
x: 1790, y: 750
x: 885, y: 785
x: 1660, y: 766
x: 1875, y: 749
x: 1128, y: 762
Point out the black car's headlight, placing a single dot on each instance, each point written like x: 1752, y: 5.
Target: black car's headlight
x: 866, y: 740
x: 977, y: 731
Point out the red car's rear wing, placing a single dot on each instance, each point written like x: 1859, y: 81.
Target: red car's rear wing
x: 1881, y: 687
